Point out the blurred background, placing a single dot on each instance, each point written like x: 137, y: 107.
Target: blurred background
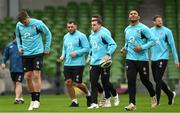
x: 55, y: 14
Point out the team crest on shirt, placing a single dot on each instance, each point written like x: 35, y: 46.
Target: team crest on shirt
x: 76, y: 38
x: 70, y: 45
x: 138, y: 31
x: 33, y: 26
x: 11, y: 46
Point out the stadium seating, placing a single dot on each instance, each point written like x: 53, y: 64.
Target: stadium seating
x: 119, y: 25
x: 172, y: 22
x: 178, y: 22
x: 114, y: 13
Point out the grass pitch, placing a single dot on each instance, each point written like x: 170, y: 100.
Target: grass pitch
x: 60, y: 104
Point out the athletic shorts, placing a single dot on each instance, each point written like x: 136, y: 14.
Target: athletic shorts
x: 33, y: 62
x: 74, y: 73
x: 17, y: 76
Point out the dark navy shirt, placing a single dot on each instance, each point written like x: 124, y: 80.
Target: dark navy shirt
x: 11, y: 53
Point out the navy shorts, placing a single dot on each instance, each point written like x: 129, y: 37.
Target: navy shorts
x: 74, y: 73
x: 33, y: 62
x: 17, y: 76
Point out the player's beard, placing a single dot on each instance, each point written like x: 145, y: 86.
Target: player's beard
x: 133, y: 20
x: 95, y: 29
x: 158, y: 26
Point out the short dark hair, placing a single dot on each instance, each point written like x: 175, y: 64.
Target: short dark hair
x: 134, y: 10
x: 70, y: 21
x: 99, y: 21
x: 156, y: 16
x: 22, y: 15
x: 97, y: 16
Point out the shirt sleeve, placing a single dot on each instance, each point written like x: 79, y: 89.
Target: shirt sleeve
x: 125, y: 45
x: 150, y: 40
x: 43, y: 28
x: 90, y: 50
x: 5, y: 55
x: 111, y: 44
x: 18, y: 37
x: 172, y: 45
x: 63, y: 50
x: 85, y: 46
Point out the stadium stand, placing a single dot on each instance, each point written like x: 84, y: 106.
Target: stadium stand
x: 114, y: 14
x: 172, y: 22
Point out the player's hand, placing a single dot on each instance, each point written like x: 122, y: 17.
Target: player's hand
x: 20, y: 51
x: 138, y: 48
x: 61, y: 59
x: 177, y: 64
x: 106, y: 58
x: 73, y: 54
x: 123, y: 51
x: 46, y: 52
x: 3, y: 66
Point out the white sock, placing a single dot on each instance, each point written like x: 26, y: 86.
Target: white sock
x: 116, y: 97
x: 102, y: 95
x: 75, y: 100
x: 88, y: 93
x: 108, y: 99
x: 21, y: 99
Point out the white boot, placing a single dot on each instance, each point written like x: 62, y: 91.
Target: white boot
x: 116, y: 100
x: 31, y: 106
x: 130, y: 107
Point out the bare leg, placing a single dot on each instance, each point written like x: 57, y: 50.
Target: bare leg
x: 83, y: 87
x: 18, y: 90
x: 37, y: 81
x: 69, y: 85
x: 28, y: 77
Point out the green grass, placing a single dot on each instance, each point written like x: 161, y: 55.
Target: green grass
x: 60, y: 103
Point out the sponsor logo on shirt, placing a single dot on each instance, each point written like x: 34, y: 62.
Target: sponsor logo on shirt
x: 11, y: 46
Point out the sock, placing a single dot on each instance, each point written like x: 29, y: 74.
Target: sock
x: 88, y: 93
x: 108, y: 99
x: 75, y: 100
x: 21, y: 99
x: 37, y: 96
x: 116, y: 97
x: 102, y: 95
x: 17, y: 99
x: 33, y: 96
